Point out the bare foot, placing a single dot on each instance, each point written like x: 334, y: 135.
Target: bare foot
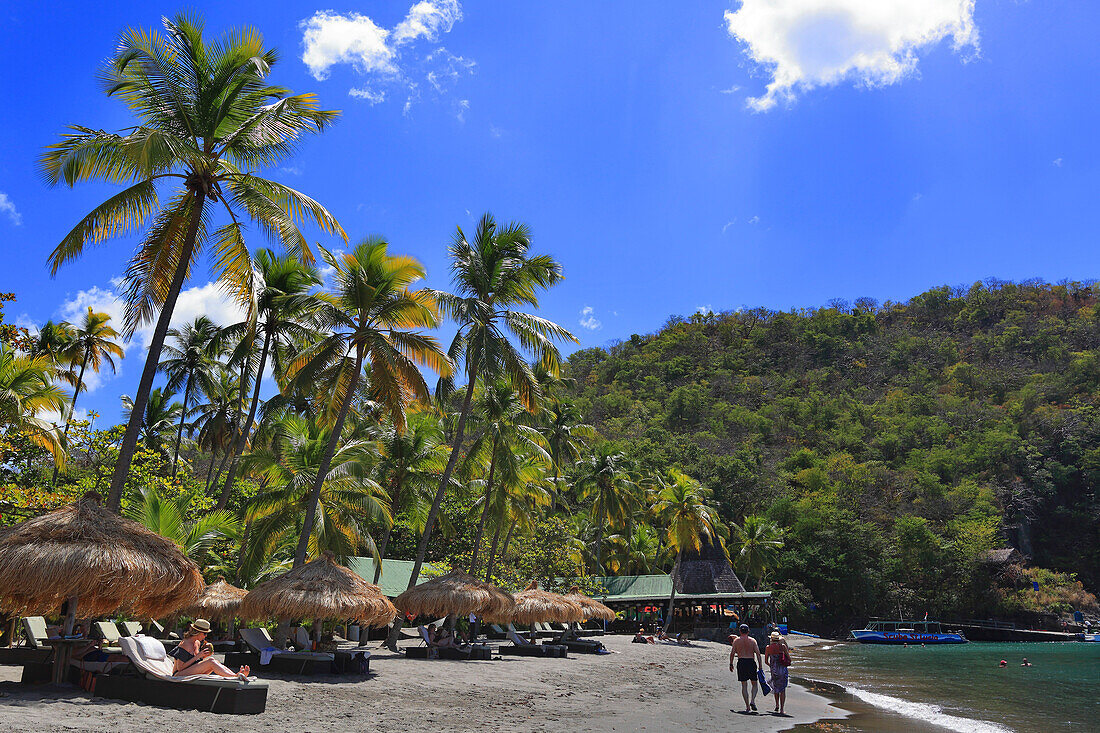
x: 244, y: 670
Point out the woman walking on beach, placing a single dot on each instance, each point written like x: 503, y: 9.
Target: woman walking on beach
x: 777, y: 655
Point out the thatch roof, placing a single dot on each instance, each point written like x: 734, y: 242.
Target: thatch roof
x: 1001, y: 556
x: 219, y: 601
x: 107, y: 561
x: 592, y: 608
x: 534, y: 606
x: 458, y: 593
x: 318, y: 590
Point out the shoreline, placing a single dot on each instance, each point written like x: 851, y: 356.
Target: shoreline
x: 650, y: 687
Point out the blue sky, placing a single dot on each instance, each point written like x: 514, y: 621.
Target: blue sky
x: 671, y: 155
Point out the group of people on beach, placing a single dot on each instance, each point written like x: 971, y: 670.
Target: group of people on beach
x: 747, y: 661
x: 642, y: 638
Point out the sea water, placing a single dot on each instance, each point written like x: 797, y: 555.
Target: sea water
x: 962, y: 687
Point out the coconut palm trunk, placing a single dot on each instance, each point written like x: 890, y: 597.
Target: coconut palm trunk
x: 326, y: 461
x: 145, y: 386
x: 485, y: 507
x: 493, y: 551
x: 239, y: 445
x: 72, y: 410
x: 508, y: 537
x: 179, y: 431
x: 672, y: 596
x: 382, y: 552
x: 433, y: 513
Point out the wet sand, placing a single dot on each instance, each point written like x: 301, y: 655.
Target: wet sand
x: 640, y: 687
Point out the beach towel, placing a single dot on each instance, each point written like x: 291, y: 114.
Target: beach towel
x: 763, y: 682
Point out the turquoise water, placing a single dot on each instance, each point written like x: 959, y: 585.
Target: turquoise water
x: 961, y: 687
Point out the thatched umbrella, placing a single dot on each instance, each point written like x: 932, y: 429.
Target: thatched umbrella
x: 592, y: 608
x: 94, y: 560
x: 534, y: 605
x: 318, y: 590
x: 88, y: 555
x: 219, y: 601
x: 457, y: 593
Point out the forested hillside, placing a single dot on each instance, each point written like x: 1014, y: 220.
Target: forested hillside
x: 895, y: 444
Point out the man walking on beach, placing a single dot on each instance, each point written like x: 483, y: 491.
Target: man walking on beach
x: 746, y: 655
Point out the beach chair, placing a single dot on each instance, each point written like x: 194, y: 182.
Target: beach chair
x: 523, y: 648
x: 496, y: 632
x: 301, y: 639
x: 153, y: 684
x: 546, y: 630
x: 155, y: 629
x: 34, y: 629
x: 108, y: 632
x: 130, y: 628
x: 431, y: 651
x: 262, y: 647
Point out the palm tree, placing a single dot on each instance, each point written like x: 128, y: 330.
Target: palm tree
x: 55, y: 341
x: 493, y: 275
x: 208, y: 119
x: 756, y: 543
x: 156, y: 424
x: 216, y: 420
x: 682, y: 506
x: 92, y: 346
x: 409, y: 468
x: 283, y: 304
x: 168, y: 518
x: 348, y: 504
x: 566, y: 438
x: 372, y: 310
x: 634, y: 552
x: 502, y: 436
x: 605, y: 479
x: 191, y: 362
x: 520, y: 499
x: 27, y: 389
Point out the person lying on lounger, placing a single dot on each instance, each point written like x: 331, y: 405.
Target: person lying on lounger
x: 193, y: 655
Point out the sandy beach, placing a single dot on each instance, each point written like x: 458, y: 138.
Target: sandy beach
x: 651, y: 687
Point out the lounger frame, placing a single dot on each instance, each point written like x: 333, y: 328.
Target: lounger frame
x: 242, y: 700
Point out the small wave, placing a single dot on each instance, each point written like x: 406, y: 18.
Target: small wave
x: 927, y: 712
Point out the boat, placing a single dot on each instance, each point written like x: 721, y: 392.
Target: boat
x: 1095, y: 638
x: 906, y: 632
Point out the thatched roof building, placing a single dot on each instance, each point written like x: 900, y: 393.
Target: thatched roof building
x: 106, y: 562
x: 534, y: 605
x: 318, y: 590
x: 706, y: 571
x: 592, y: 608
x: 219, y: 601
x: 456, y: 593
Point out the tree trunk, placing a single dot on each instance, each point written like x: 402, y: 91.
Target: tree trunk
x: 152, y: 361
x: 183, y: 418
x: 508, y: 537
x: 599, y: 548
x: 382, y: 552
x: 210, y: 468
x: 672, y: 596
x: 493, y: 551
x: 326, y: 461
x: 218, y: 473
x: 72, y: 411
x: 485, y: 506
x: 422, y: 550
x: 238, y: 446
x: 241, y: 553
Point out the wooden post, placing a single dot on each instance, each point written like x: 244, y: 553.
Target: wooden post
x: 70, y: 616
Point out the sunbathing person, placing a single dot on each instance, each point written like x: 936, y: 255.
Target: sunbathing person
x: 194, y: 655
x: 641, y: 638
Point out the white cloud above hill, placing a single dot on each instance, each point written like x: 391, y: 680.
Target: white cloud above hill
x: 805, y: 44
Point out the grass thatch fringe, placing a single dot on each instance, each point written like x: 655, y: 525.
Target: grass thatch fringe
x: 534, y: 606
x: 592, y: 608
x: 318, y: 590
x: 107, y: 561
x: 457, y: 593
x: 219, y: 601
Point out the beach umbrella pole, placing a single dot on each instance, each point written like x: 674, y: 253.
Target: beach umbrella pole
x: 63, y: 651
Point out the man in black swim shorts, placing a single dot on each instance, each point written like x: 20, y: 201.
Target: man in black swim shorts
x: 746, y: 655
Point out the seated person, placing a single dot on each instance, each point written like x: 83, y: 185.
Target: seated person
x: 641, y: 638
x: 681, y: 640
x: 193, y: 655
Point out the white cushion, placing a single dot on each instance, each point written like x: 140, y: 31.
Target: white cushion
x: 151, y: 648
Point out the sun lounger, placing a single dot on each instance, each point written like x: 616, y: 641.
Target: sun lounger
x: 154, y: 684
x: 34, y: 650
x: 262, y: 647
x: 130, y: 628
x: 109, y: 633
x: 542, y: 629
x: 523, y: 648
x: 432, y: 651
x: 153, y: 628
x: 496, y: 632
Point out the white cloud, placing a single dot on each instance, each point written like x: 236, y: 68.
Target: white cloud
x: 388, y: 57
x: 209, y: 300
x: 1057, y: 163
x: 588, y: 319
x: 495, y: 131
x: 704, y: 309
x: 426, y: 19
x: 732, y: 90
x: 368, y: 94
x: 461, y: 107
x: 805, y: 44
x: 8, y: 207
x: 754, y: 220
x: 727, y: 225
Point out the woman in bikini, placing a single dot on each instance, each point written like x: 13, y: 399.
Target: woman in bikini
x: 777, y: 655
x: 193, y: 655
